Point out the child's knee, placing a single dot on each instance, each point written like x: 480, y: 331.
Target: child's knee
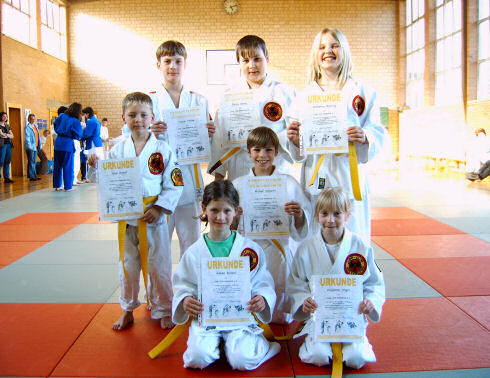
x: 198, y: 356
x: 319, y: 354
x: 353, y: 356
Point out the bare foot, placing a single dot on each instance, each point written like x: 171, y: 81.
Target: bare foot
x: 124, y: 321
x: 166, y: 322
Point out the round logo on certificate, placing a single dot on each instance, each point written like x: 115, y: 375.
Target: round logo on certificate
x: 155, y: 163
x: 176, y: 177
x: 273, y: 111
x: 254, y: 257
x: 359, y: 105
x: 356, y: 264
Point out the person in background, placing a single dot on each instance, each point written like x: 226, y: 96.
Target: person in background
x: 32, y: 145
x: 6, y: 145
x: 104, y: 134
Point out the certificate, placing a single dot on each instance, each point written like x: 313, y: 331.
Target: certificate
x: 324, y: 123
x: 336, y: 318
x: 238, y: 115
x: 187, y: 134
x: 119, y: 189
x: 263, y: 207
x: 224, y: 289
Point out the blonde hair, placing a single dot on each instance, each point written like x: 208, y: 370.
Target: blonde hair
x: 171, y: 48
x: 262, y: 137
x: 333, y: 199
x: 346, y: 65
x: 137, y: 98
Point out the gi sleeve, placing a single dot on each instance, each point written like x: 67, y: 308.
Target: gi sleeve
x: 172, y: 183
x: 263, y: 284
x: 217, y: 146
x: 374, y: 287
x: 298, y: 283
x: 371, y: 124
x: 185, y: 284
x: 298, y: 195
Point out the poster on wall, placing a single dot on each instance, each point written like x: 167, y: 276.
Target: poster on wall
x: 221, y: 67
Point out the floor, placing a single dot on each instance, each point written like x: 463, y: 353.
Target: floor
x: 59, y: 287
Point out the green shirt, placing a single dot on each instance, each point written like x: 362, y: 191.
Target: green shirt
x: 220, y: 248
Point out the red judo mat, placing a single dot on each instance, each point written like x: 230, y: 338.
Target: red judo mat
x: 34, y: 337
x: 420, y: 226
x: 50, y: 218
x: 102, y: 352
x: 394, y: 213
x: 417, y: 335
x: 476, y: 307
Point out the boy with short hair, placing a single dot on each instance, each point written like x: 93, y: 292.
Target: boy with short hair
x: 171, y: 94
x: 263, y: 147
x: 160, y: 177
x: 274, y: 99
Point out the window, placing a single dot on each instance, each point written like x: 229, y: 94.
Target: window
x: 53, y: 28
x: 415, y: 33
x: 448, y: 52
x: 483, y: 50
x: 19, y: 20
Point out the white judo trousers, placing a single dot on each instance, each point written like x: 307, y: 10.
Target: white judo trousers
x: 185, y: 219
x: 245, y: 346
x: 159, y: 271
x: 335, y: 169
x: 312, y: 258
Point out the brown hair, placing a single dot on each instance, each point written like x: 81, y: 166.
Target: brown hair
x: 262, y: 136
x: 247, y: 45
x: 220, y: 189
x: 171, y: 48
x: 74, y: 110
x: 136, y: 98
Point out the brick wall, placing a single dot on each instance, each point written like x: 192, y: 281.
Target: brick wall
x: 112, y: 43
x: 33, y: 79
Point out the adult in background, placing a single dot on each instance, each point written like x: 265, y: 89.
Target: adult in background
x: 32, y: 145
x: 68, y: 128
x: 6, y: 145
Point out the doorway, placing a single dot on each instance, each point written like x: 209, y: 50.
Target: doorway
x: 15, y: 121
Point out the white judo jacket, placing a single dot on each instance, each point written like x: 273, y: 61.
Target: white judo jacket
x: 186, y: 276
x: 270, y: 91
x: 312, y: 258
x: 159, y: 172
x: 162, y: 100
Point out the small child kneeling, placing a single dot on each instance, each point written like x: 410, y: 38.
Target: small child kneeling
x: 245, y: 346
x: 329, y: 251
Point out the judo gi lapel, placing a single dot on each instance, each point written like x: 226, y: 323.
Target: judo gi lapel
x: 237, y: 248
x: 344, y: 250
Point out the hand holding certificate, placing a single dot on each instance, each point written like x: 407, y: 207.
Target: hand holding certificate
x: 119, y: 189
x: 238, y: 115
x: 187, y: 134
x: 264, y: 200
x: 324, y: 120
x: 224, y: 290
x: 337, y: 317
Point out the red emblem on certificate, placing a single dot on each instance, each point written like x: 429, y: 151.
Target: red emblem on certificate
x: 356, y: 264
x: 176, y: 177
x: 155, y: 163
x: 359, y: 105
x: 273, y: 111
x: 254, y: 257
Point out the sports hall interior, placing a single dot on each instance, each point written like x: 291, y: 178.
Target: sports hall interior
x: 429, y: 62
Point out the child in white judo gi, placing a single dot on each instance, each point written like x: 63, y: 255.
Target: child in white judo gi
x: 334, y: 250
x: 273, y: 101
x: 263, y: 147
x: 330, y: 71
x: 162, y: 178
x: 171, y: 94
x: 245, y: 346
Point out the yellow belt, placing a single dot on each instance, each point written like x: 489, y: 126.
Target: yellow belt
x: 143, y: 242
x: 223, y: 158
x: 354, y: 171
x: 337, y: 360
x: 279, y: 246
